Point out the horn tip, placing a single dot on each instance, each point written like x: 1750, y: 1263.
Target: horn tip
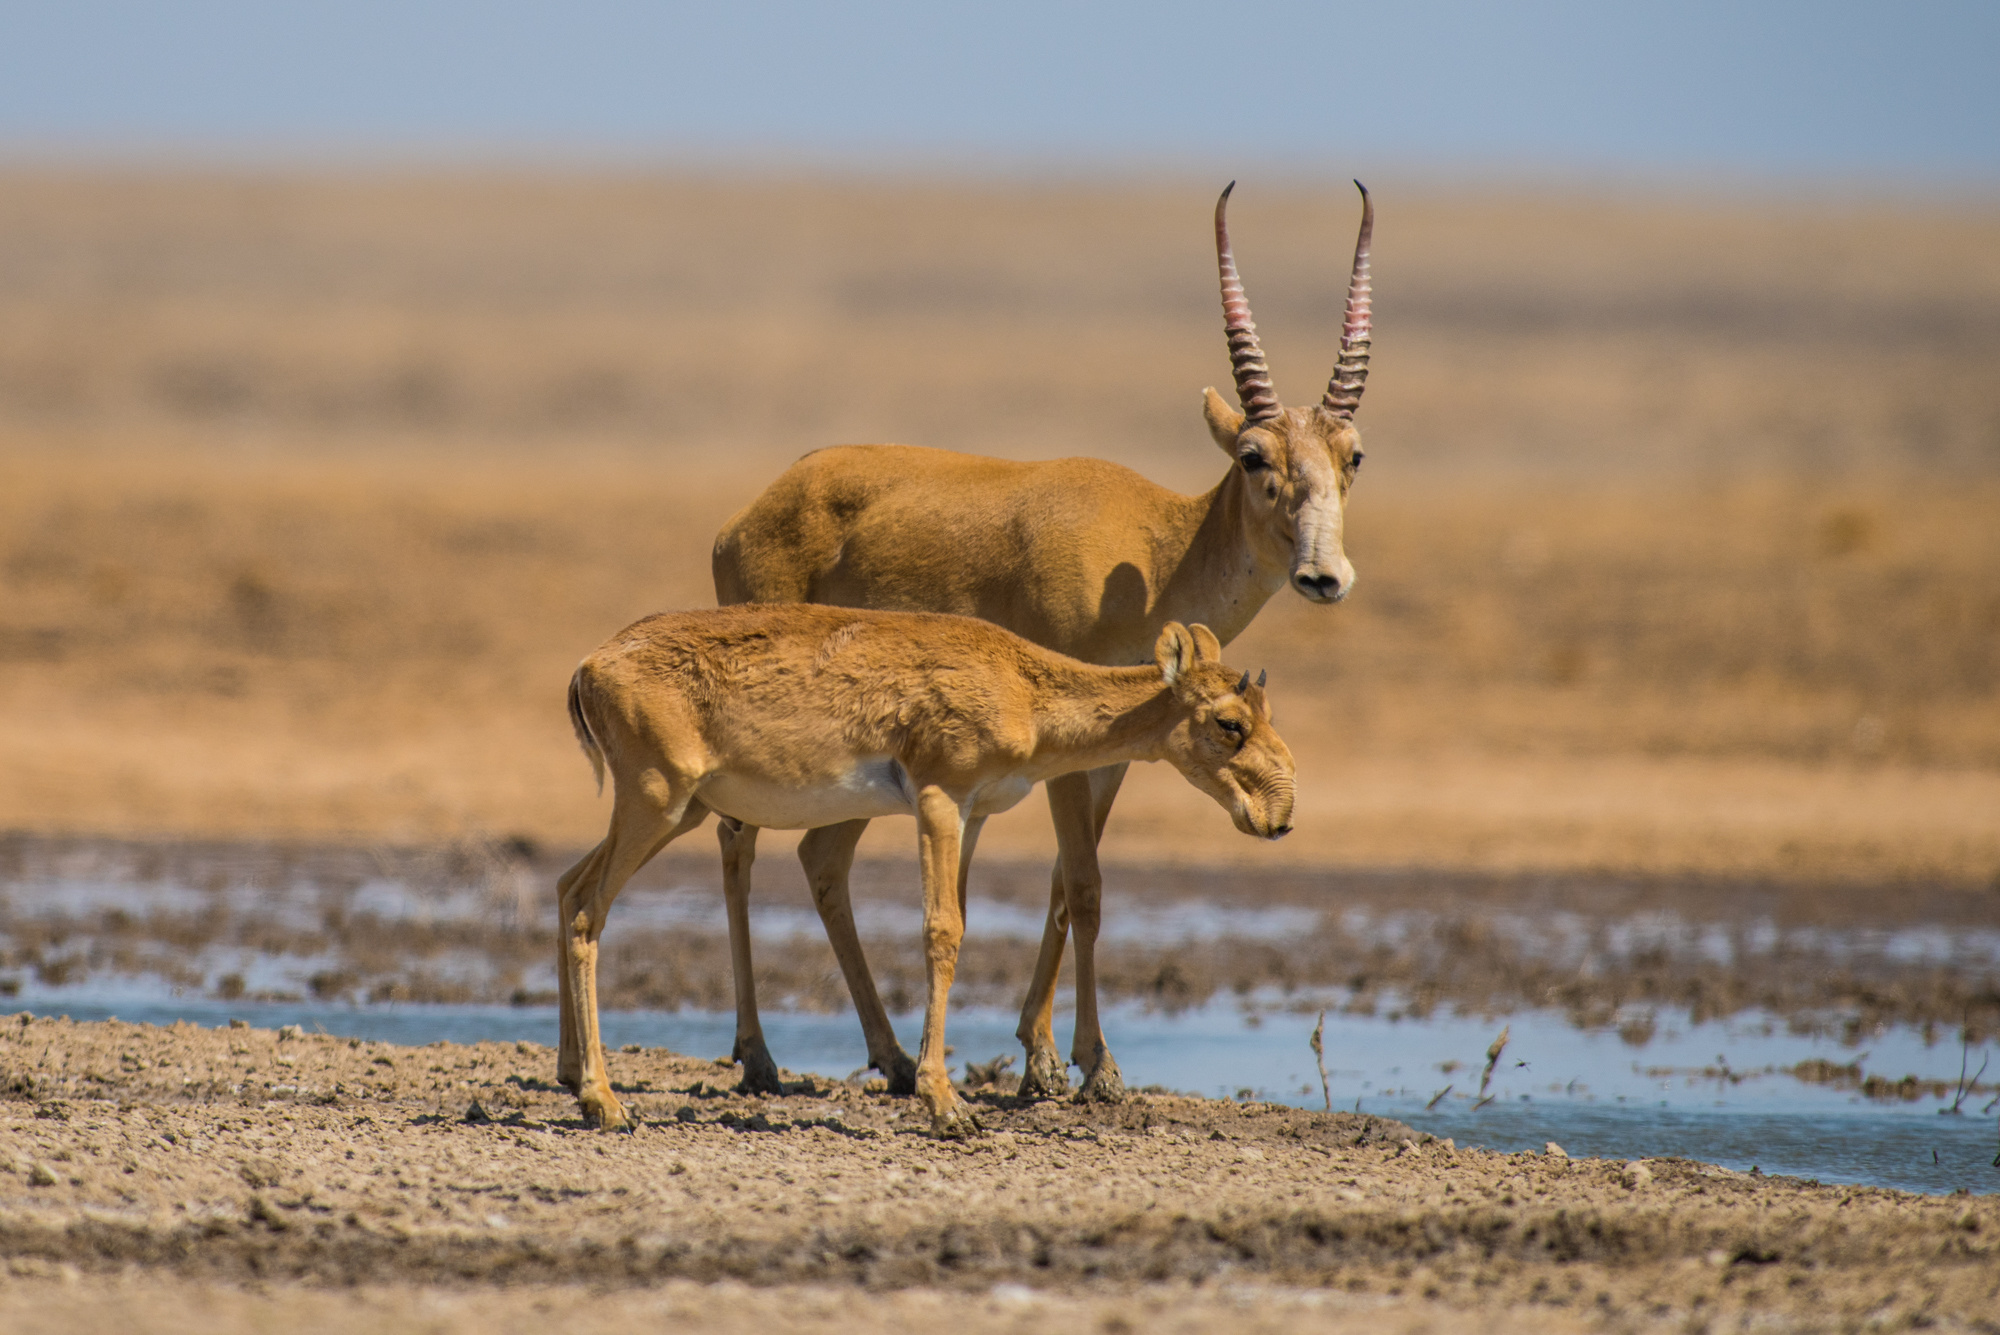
x: 1362, y: 188
x: 1227, y: 188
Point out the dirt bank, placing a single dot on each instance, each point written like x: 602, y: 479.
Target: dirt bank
x: 308, y: 1165
x: 142, y: 1301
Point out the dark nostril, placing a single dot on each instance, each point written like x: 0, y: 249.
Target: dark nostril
x: 1280, y: 831
x: 1319, y: 583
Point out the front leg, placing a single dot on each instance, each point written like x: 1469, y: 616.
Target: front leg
x: 739, y: 852
x: 940, y: 827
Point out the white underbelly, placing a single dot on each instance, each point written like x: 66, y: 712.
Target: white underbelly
x: 875, y: 787
x: 1000, y: 795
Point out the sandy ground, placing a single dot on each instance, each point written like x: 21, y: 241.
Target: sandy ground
x: 250, y: 1177
x: 173, y: 1306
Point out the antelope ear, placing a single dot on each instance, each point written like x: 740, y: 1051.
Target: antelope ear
x: 1174, y: 651
x: 1224, y: 422
x: 1207, y: 649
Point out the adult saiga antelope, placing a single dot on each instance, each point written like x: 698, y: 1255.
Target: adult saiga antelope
x: 796, y: 716
x: 1079, y: 555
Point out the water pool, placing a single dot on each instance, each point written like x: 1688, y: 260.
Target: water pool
x: 1719, y: 1091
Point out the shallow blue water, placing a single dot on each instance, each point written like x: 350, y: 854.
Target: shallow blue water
x: 1711, y: 1092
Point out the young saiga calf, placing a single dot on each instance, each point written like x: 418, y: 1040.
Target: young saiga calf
x: 799, y: 716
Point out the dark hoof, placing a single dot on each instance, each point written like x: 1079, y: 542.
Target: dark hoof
x: 608, y: 1116
x: 1047, y: 1076
x: 955, y: 1123
x: 760, y: 1073
x: 901, y: 1073
x: 1106, y: 1083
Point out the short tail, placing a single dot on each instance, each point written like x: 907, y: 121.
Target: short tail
x: 585, y: 738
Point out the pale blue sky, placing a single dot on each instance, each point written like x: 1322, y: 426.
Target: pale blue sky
x: 1786, y: 89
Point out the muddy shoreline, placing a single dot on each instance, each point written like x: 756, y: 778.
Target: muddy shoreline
x: 292, y: 1162
x: 471, y: 921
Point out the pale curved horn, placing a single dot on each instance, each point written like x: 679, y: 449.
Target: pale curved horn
x: 1246, y: 357
x: 1350, y: 373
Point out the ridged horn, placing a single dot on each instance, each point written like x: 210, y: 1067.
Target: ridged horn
x: 1246, y: 357
x: 1350, y: 373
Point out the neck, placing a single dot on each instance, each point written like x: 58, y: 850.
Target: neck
x: 1214, y: 572
x: 1098, y: 716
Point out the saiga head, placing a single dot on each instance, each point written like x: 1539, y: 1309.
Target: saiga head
x: 1297, y: 463
x: 1223, y: 742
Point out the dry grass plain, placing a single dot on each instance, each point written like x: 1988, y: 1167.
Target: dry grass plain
x: 1677, y: 538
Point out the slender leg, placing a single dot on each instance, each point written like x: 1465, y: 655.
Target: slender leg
x: 967, y: 842
x: 639, y: 829
x: 939, y: 831
x: 569, y: 1058
x: 1045, y: 1075
x: 739, y: 851
x: 1079, y: 804
x: 827, y: 854
x: 1103, y: 1082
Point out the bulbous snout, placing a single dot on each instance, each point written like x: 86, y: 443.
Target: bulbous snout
x: 1324, y: 583
x: 1321, y: 571
x: 1278, y: 818
x: 1264, y: 811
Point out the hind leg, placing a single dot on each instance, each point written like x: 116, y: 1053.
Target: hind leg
x: 827, y: 854
x: 1045, y: 1075
x: 739, y: 851
x: 1084, y: 882
x: 569, y: 1058
x: 1079, y: 805
x: 640, y: 827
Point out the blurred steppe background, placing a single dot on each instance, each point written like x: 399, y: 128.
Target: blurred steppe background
x: 1678, y: 540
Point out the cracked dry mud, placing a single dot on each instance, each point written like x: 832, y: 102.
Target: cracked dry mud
x: 237, y: 1179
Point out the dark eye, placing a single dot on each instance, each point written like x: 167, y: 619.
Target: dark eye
x: 1253, y: 462
x: 1356, y: 463
x: 1232, y: 727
